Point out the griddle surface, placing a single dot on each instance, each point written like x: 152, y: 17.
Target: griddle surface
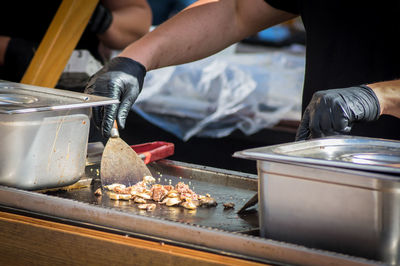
x: 215, y: 217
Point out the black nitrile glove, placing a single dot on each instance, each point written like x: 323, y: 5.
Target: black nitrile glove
x: 101, y: 20
x: 17, y: 58
x: 122, y: 79
x: 333, y: 112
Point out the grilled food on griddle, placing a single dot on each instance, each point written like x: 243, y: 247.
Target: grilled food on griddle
x: 143, y: 191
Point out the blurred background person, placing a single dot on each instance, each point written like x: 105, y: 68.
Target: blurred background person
x: 114, y: 24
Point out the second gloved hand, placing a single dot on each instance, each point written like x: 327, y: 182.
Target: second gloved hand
x: 122, y: 79
x: 333, y: 112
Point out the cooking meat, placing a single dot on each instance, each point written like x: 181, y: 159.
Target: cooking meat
x: 114, y: 186
x: 178, y: 195
x: 171, y: 201
x: 183, y: 188
x: 148, y: 179
x: 139, y: 200
x: 116, y: 196
x: 207, y: 201
x: 189, y: 204
x: 144, y: 195
x: 192, y: 196
x: 158, y: 192
x: 173, y: 193
x: 169, y: 187
x: 229, y: 205
x: 140, y: 186
x: 147, y: 207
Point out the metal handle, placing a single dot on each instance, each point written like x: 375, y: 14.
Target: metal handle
x: 114, y: 130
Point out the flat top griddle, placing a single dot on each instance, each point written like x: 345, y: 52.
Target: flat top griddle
x: 202, y: 182
x: 214, y: 230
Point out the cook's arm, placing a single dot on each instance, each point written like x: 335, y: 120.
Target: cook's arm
x: 388, y: 93
x: 203, y: 29
x: 200, y: 30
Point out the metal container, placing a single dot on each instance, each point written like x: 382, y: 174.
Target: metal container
x: 339, y: 193
x: 43, y: 135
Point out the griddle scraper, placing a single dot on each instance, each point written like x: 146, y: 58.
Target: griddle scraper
x: 120, y: 163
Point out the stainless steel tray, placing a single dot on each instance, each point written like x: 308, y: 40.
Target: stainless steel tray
x: 339, y: 193
x: 360, y: 153
x: 17, y: 98
x: 44, y: 135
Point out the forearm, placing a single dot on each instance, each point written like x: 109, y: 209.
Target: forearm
x: 202, y: 29
x: 388, y: 93
x: 131, y: 20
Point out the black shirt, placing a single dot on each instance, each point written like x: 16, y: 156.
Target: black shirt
x: 30, y: 19
x: 350, y: 43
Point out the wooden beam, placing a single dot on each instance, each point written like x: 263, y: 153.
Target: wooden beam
x: 59, y: 42
x: 26, y: 240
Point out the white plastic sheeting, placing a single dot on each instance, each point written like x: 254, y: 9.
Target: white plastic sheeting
x: 217, y: 95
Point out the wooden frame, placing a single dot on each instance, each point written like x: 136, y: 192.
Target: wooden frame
x: 59, y: 42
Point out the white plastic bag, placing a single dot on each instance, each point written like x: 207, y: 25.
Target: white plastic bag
x: 214, y: 96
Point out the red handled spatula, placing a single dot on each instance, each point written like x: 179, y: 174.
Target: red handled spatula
x: 120, y: 163
x: 153, y: 151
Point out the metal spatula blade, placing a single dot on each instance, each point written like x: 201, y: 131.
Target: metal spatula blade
x: 120, y: 163
x: 250, y: 203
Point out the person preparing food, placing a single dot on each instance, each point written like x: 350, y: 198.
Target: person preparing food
x: 351, y: 71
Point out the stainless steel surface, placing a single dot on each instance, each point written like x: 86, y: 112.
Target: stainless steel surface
x: 361, y: 153
x: 114, y: 133
x: 120, y: 164
x: 343, y: 208
x: 190, y: 233
x: 41, y: 150
x: 44, y: 135
x: 250, y: 203
x: 17, y: 98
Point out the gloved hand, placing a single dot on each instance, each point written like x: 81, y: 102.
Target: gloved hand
x: 333, y: 112
x: 17, y: 58
x: 122, y: 79
x: 101, y: 20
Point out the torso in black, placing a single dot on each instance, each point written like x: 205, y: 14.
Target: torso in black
x: 350, y: 43
x: 30, y: 20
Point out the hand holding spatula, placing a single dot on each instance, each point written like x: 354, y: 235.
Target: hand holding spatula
x: 121, y: 79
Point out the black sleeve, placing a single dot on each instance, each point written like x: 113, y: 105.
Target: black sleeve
x: 291, y: 6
